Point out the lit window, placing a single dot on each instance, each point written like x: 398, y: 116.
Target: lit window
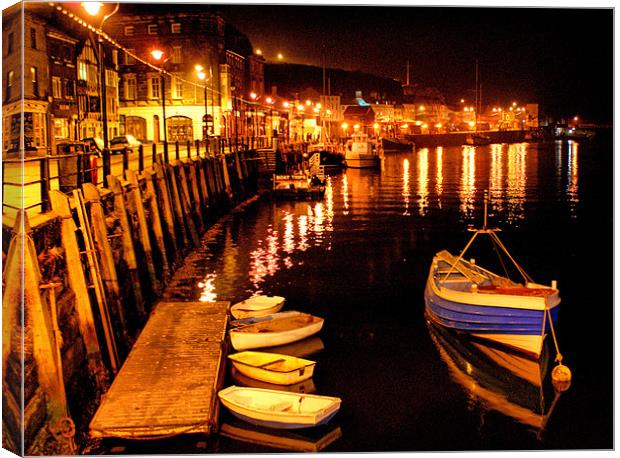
x: 152, y: 29
x: 130, y: 87
x: 177, y: 88
x: 9, y: 83
x: 56, y: 87
x: 154, y: 87
x: 82, y: 71
x: 129, y: 29
x: 176, y: 27
x: 35, y: 81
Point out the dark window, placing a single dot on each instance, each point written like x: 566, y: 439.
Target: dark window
x: 69, y: 89
x: 10, y: 44
x: 33, y: 38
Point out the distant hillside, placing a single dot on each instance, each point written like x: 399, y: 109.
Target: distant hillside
x: 296, y: 78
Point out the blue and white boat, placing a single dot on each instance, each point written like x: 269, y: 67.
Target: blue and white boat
x: 279, y: 409
x: 466, y: 297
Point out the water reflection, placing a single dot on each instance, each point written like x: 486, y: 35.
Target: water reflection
x: 467, y: 191
x: 497, y: 379
x: 516, y: 181
x: 572, y: 173
x: 405, y: 191
x: 423, y: 180
x: 439, y: 174
x: 496, y: 178
x: 207, y: 288
x: 345, y: 194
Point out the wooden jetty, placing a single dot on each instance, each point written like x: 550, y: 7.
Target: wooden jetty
x: 168, y: 384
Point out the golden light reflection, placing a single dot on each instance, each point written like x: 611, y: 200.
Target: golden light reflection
x: 289, y: 233
x: 496, y: 178
x: 423, y: 180
x: 467, y: 191
x: 302, y: 227
x: 405, y: 192
x: 516, y: 181
x: 345, y: 194
x: 439, y: 174
x: 207, y: 286
x: 572, y: 187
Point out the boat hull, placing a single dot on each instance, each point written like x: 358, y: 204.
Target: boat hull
x: 362, y: 161
x: 519, y: 322
x: 279, y: 409
x: 242, y: 340
x: 273, y: 367
x: 257, y: 306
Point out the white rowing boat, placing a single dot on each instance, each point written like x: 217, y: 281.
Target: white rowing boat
x: 279, y: 409
x: 274, y: 332
x: 257, y: 306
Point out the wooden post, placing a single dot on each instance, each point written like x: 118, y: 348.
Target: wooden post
x: 143, y: 235
x: 156, y: 220
x: 211, y: 178
x: 166, y: 204
x: 198, y: 204
x: 186, y: 206
x: 203, y: 184
x: 226, y: 177
x: 176, y: 203
x: 77, y: 282
x: 102, y: 243
x: 129, y: 254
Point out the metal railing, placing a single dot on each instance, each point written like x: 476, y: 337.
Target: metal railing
x: 36, y: 176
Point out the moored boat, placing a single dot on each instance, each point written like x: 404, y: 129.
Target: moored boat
x: 257, y: 306
x: 307, y: 386
x: 273, y: 367
x: 477, y: 139
x: 464, y: 296
x: 274, y: 332
x: 395, y: 145
x: 279, y: 409
x: 361, y: 152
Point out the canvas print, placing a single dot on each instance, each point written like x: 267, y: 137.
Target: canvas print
x: 290, y: 228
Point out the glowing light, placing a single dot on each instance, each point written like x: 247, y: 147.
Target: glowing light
x: 202, y: 75
x: 438, y: 125
x: 576, y: 118
x: 207, y: 293
x: 157, y: 54
x: 421, y: 108
x: 424, y: 126
x: 472, y: 123
x: 406, y: 193
x: 405, y: 126
x: 92, y: 8
x: 466, y: 109
x: 308, y: 102
x: 462, y: 100
x: 423, y: 181
x: 375, y: 126
x: 300, y: 107
x: 198, y: 67
x: 514, y: 104
x: 356, y: 126
x: 280, y: 56
x: 259, y: 52
x: 269, y: 100
x: 253, y: 95
x: 318, y: 105
x: 285, y: 104
x: 344, y: 126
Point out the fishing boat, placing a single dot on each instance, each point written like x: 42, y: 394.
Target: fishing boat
x: 257, y: 306
x: 307, y: 386
x: 362, y: 152
x: 464, y: 296
x: 279, y: 409
x: 395, y: 145
x: 278, y: 331
x: 273, y: 367
x: 499, y: 379
x: 283, y: 440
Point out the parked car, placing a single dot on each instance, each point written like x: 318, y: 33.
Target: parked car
x: 124, y: 143
x: 93, y: 144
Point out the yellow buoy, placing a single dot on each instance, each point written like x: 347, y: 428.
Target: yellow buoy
x: 561, y: 377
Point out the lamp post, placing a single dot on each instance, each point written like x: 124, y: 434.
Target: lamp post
x: 158, y: 55
x: 203, y: 77
x: 269, y: 101
x: 93, y: 9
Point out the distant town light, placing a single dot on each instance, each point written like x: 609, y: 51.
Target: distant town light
x: 344, y: 126
x: 92, y: 8
x: 259, y: 52
x: 421, y: 108
x: 253, y: 95
x: 318, y: 105
x: 316, y: 110
x: 356, y: 126
x: 202, y: 75
x: 285, y: 104
x: 308, y: 102
x: 280, y: 56
x: 494, y: 110
x: 462, y: 100
x: 466, y: 109
x: 405, y: 126
x: 514, y: 104
x: 375, y: 125
x: 424, y: 126
x: 269, y: 100
x: 329, y: 112
x: 300, y: 107
x: 198, y: 67
x: 472, y: 124
x: 438, y: 125
x: 576, y: 118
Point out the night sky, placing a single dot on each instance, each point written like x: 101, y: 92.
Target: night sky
x: 562, y: 58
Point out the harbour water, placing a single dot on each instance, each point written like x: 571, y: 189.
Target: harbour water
x: 360, y: 258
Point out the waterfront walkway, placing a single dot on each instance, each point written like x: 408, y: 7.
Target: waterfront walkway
x: 168, y: 384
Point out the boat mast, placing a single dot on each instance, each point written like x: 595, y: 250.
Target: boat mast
x: 477, y: 102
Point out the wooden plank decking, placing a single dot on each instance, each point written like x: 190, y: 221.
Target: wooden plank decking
x: 168, y: 384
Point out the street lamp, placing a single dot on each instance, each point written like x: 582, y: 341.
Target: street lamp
x: 93, y: 9
x: 269, y: 101
x: 202, y: 76
x: 158, y: 54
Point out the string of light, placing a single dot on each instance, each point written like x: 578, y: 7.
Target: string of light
x: 99, y: 32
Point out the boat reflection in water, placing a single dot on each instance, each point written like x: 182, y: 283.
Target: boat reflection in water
x: 300, y: 349
x: 306, y: 386
x: 502, y: 381
x: 310, y: 440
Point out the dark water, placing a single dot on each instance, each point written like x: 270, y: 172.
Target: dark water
x: 360, y: 260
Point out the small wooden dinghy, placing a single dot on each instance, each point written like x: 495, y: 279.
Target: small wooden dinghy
x: 257, y: 306
x: 257, y: 319
x: 274, y: 332
x: 273, y: 367
x: 279, y: 409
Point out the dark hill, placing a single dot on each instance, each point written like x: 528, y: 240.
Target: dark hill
x: 295, y: 78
